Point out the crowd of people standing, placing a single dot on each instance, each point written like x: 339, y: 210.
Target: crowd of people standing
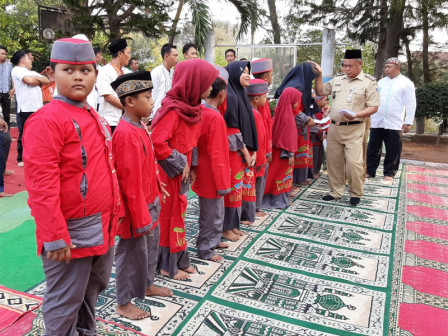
x: 95, y: 168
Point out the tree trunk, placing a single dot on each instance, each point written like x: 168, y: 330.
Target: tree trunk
x: 381, y: 53
x: 420, y: 123
x: 172, y: 32
x: 394, y: 28
x: 409, y: 59
x: 425, y: 58
x: 425, y: 53
x: 276, y: 31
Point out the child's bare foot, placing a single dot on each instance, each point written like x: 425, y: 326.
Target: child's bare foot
x: 306, y: 183
x: 180, y: 275
x: 132, y: 312
x: 230, y: 235
x: 190, y: 269
x: 217, y: 257
x: 247, y: 222
x: 222, y: 245
x: 158, y: 291
x: 238, y: 232
x: 5, y: 194
x: 261, y: 214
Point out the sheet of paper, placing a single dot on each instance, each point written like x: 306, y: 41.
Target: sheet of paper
x: 323, y: 121
x: 347, y: 111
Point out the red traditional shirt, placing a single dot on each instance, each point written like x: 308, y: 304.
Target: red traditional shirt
x: 137, y: 175
x: 71, y: 179
x: 213, y: 170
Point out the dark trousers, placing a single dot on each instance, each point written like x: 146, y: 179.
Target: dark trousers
x: 72, y: 292
x: 5, y: 102
x: 392, y: 142
x: 21, y: 119
x: 5, y: 144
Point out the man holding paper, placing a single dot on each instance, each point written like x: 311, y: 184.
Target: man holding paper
x: 355, y: 97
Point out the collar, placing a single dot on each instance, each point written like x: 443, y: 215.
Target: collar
x: 361, y: 76
x: 213, y: 108
x: 131, y: 122
x: 70, y: 101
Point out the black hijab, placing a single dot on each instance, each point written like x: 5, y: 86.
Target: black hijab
x: 239, y: 110
x: 300, y: 77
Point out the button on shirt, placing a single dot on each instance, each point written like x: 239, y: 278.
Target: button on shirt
x: 355, y: 95
x: 5, y: 77
x: 29, y: 98
x: 398, y: 103
x: 162, y: 79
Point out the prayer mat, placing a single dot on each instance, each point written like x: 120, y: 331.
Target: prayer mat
x: 16, y: 311
x: 422, y: 296
x: 315, y: 268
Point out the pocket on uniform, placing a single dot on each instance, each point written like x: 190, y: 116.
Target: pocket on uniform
x: 154, y: 209
x: 86, y: 231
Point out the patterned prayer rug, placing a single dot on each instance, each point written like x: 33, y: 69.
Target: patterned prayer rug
x: 315, y: 268
x: 422, y: 297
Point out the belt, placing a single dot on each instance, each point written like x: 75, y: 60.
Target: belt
x: 343, y: 123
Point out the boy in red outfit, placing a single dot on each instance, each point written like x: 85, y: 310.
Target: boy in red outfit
x: 213, y: 171
x: 136, y: 254
x: 73, y: 193
x: 256, y: 92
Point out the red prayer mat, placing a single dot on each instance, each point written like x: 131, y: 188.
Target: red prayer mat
x: 424, y: 291
x: 16, y: 311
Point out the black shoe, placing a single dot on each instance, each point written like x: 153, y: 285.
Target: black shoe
x: 355, y: 200
x: 328, y: 198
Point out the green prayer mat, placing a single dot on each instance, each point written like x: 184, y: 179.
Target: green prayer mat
x: 314, y: 268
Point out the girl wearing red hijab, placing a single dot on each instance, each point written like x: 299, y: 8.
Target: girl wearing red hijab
x: 174, y: 135
x: 284, y: 145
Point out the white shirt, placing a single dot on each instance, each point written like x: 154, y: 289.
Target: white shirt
x: 106, y: 75
x: 397, y: 105
x: 162, y: 79
x: 29, y: 98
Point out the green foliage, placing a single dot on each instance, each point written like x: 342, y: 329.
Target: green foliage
x: 119, y: 18
x: 432, y: 101
x: 200, y: 18
x: 19, y: 29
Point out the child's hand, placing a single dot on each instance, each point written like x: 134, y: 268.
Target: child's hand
x: 310, y: 122
x: 192, y: 175
x: 186, y: 173
x: 291, y: 161
x: 61, y: 254
x: 164, y: 192
x: 326, y: 113
x: 254, y: 159
x: 248, y: 159
x: 269, y: 159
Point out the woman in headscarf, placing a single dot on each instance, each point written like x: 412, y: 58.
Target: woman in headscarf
x: 174, y: 135
x: 243, y: 143
x: 284, y: 145
x: 301, y: 77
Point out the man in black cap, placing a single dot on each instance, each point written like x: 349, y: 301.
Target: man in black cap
x: 28, y: 92
x: 355, y: 98
x: 110, y: 107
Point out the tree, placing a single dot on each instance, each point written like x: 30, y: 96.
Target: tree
x: 118, y: 18
x: 19, y: 29
x: 376, y: 21
x: 200, y: 13
x: 432, y: 102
